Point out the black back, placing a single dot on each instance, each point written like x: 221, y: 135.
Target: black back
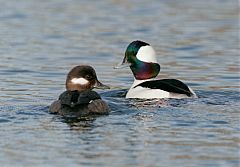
x: 73, y: 98
x: 169, y: 85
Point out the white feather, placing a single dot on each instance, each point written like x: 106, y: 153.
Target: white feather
x: 147, y: 54
x: 147, y: 93
x: 81, y: 81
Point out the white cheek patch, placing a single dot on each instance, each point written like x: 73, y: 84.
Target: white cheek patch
x: 147, y: 54
x: 81, y: 81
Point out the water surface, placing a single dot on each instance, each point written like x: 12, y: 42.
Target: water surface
x: 196, y: 42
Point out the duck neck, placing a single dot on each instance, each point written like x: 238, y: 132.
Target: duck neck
x: 144, y: 70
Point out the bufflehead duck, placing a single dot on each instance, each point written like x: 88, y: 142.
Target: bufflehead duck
x: 141, y: 58
x: 79, y: 99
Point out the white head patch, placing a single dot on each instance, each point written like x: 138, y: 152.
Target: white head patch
x: 146, y: 54
x: 80, y: 81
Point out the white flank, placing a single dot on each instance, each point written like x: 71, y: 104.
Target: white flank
x: 147, y: 54
x: 81, y: 81
x: 147, y: 93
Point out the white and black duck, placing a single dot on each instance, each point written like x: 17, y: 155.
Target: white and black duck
x: 141, y: 58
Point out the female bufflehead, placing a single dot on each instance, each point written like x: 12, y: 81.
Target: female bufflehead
x: 141, y: 58
x: 79, y: 99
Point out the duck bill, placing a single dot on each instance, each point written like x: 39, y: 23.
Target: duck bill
x: 99, y: 85
x: 123, y: 64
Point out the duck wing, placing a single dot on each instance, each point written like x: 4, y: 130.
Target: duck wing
x: 87, y: 96
x: 169, y: 85
x: 73, y: 98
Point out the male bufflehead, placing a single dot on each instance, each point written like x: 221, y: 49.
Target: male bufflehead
x: 141, y: 58
x: 79, y: 99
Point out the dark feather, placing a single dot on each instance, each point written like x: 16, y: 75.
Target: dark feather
x: 73, y: 98
x: 169, y: 85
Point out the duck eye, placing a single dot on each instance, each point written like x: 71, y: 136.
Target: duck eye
x: 88, y: 77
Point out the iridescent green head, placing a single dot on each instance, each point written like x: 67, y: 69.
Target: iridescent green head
x: 141, y: 58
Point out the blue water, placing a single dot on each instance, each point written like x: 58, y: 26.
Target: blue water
x: 196, y: 42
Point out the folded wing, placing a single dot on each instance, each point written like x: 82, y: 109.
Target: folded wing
x: 169, y: 85
x: 73, y: 98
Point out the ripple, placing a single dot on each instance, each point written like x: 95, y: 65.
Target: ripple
x: 190, y: 47
x: 4, y: 120
x: 220, y: 122
x: 42, y: 40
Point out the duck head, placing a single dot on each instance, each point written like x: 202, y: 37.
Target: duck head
x: 141, y: 58
x: 83, y: 77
